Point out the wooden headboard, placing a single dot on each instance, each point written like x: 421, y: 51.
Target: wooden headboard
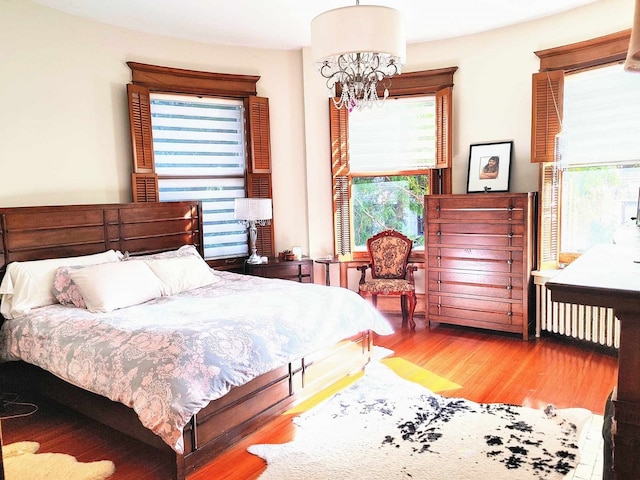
x: 37, y: 233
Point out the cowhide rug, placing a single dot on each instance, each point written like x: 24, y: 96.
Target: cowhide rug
x: 386, y: 427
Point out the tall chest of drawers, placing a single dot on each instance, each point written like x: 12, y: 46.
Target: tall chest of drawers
x: 479, y: 253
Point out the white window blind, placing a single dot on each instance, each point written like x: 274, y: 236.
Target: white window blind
x: 400, y: 135
x: 199, y: 154
x: 601, y: 116
x: 600, y: 156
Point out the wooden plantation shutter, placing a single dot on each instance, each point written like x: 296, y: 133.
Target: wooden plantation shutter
x: 339, y: 133
x: 549, y: 217
x: 259, y: 165
x: 258, y: 111
x: 145, y: 187
x: 444, y: 116
x: 144, y: 181
x: 546, y: 116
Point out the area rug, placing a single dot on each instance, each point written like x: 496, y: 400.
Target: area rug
x: 22, y: 462
x: 385, y: 427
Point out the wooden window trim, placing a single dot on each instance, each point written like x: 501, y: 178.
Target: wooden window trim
x: 586, y: 54
x: 177, y: 80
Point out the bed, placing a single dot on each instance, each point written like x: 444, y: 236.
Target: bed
x: 198, y: 401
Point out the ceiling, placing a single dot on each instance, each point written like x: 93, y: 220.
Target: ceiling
x: 285, y: 24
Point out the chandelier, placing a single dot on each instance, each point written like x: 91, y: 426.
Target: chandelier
x: 356, y: 48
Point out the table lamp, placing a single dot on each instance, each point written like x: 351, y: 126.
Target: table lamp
x: 251, y: 212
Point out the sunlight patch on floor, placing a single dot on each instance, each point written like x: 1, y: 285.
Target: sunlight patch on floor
x: 414, y: 373
x: 407, y: 370
x: 324, y: 394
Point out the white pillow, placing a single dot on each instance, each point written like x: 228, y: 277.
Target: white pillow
x: 183, y: 251
x: 110, y: 286
x: 183, y: 273
x: 28, y: 285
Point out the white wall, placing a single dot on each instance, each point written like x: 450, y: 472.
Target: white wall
x: 63, y: 109
x: 64, y: 124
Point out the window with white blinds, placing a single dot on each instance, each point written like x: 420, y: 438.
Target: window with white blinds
x: 391, y: 150
x: 400, y: 135
x: 599, y: 171
x: 199, y: 151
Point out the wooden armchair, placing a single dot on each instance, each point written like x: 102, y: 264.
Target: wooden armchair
x: 390, y: 273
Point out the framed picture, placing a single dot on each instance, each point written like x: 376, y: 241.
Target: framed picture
x: 489, y: 167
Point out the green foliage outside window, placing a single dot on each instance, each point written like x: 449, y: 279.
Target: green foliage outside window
x: 388, y: 202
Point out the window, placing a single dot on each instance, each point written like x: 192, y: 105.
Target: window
x: 590, y: 182
x: 600, y: 156
x: 385, y: 159
x: 198, y: 147
x: 205, y: 136
x: 398, y: 136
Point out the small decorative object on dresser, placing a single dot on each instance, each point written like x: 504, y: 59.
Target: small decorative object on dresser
x: 480, y: 251
x: 296, y: 270
x: 489, y: 167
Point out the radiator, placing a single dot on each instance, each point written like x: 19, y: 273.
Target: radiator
x: 584, y: 322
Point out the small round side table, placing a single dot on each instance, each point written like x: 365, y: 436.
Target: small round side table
x: 327, y: 264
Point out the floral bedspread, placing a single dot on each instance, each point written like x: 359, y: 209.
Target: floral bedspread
x: 169, y: 357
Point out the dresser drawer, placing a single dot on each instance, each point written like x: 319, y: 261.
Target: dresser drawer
x: 476, y: 234
x: 488, y: 208
x: 478, y: 284
x: 475, y: 258
x: 487, y: 312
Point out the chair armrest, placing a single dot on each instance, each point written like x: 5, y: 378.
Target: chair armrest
x: 363, y: 273
x: 410, y: 270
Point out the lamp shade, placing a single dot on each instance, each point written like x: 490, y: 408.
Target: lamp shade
x: 632, y: 63
x: 360, y: 28
x: 252, y: 209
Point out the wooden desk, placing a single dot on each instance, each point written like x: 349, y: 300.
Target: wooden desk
x: 607, y: 276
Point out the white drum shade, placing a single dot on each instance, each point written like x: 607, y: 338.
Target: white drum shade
x: 360, y: 28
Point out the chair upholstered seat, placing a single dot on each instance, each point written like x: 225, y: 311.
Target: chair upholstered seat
x: 387, y: 286
x: 390, y: 272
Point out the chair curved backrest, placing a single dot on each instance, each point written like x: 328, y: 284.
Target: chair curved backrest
x: 389, y: 253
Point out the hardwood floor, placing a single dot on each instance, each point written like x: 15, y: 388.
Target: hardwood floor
x: 478, y: 365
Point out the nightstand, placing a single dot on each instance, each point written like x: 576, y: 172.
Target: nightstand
x: 296, y: 270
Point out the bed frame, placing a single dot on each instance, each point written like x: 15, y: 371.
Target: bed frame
x: 35, y: 233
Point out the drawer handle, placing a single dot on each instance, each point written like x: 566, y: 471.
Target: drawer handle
x: 438, y: 282
x: 438, y: 233
x: 509, y: 287
x: 438, y: 257
x: 438, y: 208
x: 509, y: 314
x: 511, y: 207
x: 511, y: 235
x: 510, y: 262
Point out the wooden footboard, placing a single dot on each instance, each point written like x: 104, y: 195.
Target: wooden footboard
x: 223, y: 422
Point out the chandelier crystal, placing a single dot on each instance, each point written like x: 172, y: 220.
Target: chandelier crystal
x: 358, y: 49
